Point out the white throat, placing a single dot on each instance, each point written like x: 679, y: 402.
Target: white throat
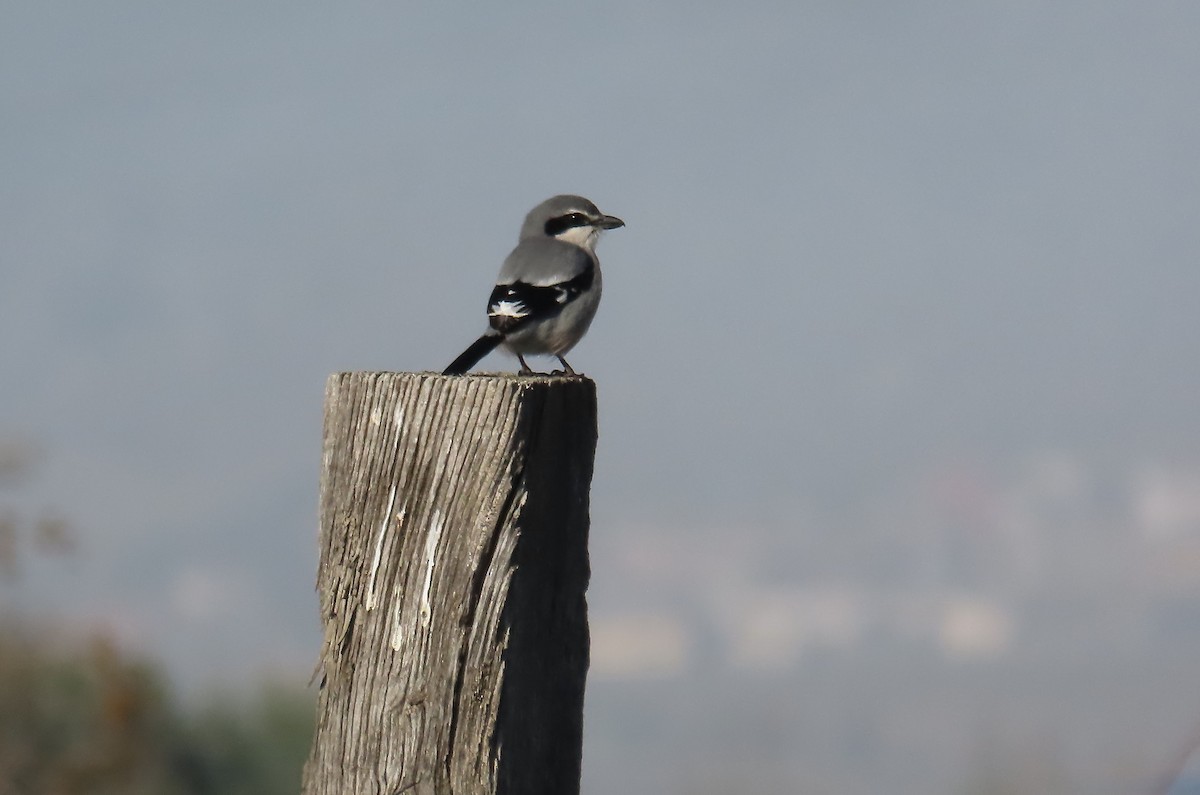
x: 582, y: 236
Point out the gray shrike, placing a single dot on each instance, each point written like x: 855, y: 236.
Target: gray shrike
x: 549, y: 286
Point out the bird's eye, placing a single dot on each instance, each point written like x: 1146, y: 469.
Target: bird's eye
x: 556, y: 226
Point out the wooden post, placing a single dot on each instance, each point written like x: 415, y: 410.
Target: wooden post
x: 454, y: 522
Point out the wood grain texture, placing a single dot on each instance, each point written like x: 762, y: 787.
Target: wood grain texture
x: 453, y: 533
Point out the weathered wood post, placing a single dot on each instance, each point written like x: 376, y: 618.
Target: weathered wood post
x: 454, y: 522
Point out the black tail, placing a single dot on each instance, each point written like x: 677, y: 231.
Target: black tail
x: 468, y: 358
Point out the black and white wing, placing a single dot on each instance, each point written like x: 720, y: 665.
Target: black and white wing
x: 516, y: 303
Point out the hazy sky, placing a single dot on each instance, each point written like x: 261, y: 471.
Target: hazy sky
x: 862, y: 236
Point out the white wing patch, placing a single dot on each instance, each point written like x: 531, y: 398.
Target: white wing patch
x: 510, y: 309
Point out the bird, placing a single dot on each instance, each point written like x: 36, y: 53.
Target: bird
x: 549, y: 286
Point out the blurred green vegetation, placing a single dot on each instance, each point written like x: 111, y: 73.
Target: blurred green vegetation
x: 82, y: 718
x: 77, y: 715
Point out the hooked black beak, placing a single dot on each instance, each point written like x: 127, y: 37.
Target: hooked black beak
x: 610, y: 222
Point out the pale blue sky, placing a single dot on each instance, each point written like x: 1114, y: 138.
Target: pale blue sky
x: 859, y: 235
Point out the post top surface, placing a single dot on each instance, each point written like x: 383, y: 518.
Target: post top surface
x: 549, y: 379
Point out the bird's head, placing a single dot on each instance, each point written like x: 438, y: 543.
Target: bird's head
x: 571, y: 219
